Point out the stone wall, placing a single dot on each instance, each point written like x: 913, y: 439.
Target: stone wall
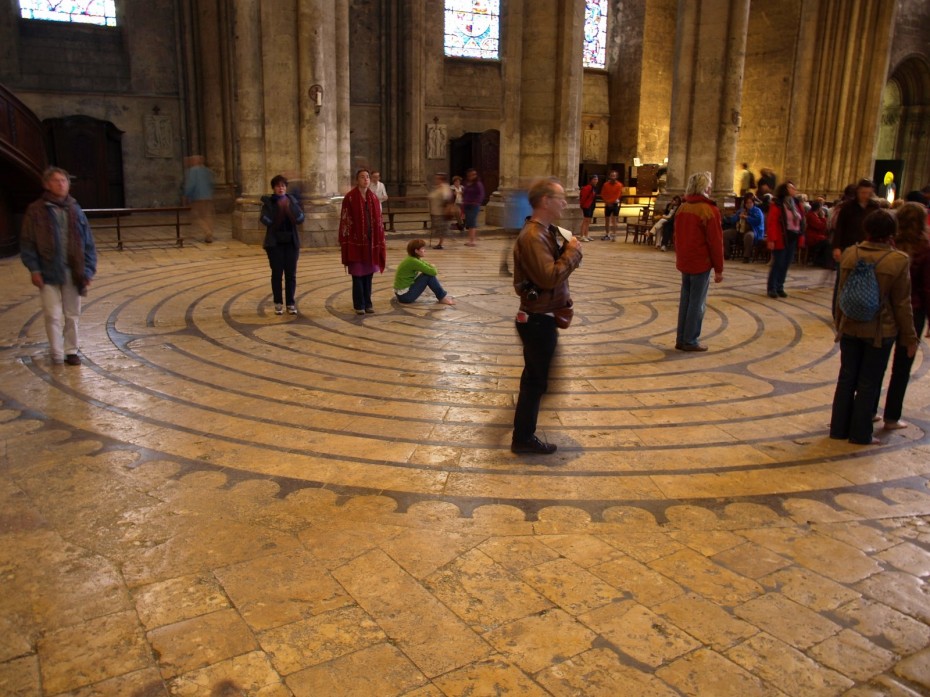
x: 123, y: 75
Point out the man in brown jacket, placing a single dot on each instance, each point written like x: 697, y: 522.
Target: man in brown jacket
x: 543, y: 260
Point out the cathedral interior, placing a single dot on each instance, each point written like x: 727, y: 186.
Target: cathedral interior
x: 223, y: 501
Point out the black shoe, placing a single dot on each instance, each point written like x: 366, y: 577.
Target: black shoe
x: 679, y: 347
x: 773, y: 294
x: 693, y: 347
x: 73, y: 359
x: 782, y: 294
x: 533, y: 446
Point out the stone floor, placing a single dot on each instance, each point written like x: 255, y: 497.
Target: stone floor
x: 221, y: 501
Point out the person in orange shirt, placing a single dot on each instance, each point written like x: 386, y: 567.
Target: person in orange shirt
x: 611, y: 192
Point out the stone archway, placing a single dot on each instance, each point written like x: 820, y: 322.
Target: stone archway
x: 905, y: 121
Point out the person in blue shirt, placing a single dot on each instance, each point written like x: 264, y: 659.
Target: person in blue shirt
x: 747, y: 224
x: 414, y: 275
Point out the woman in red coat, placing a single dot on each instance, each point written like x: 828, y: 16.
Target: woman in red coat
x: 361, y: 237
x: 587, y: 199
x: 818, y: 245
x: 784, y: 226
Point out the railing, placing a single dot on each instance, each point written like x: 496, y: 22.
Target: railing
x: 119, y: 225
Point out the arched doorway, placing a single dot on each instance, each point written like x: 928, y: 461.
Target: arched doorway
x: 905, y: 122
x: 92, y: 152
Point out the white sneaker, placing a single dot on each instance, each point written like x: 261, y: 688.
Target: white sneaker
x: 278, y: 309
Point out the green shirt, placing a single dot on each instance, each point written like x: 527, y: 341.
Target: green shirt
x: 409, y: 269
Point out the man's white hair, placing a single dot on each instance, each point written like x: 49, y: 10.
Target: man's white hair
x: 699, y: 183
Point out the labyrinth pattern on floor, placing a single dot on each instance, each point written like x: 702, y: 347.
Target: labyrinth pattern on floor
x: 184, y: 357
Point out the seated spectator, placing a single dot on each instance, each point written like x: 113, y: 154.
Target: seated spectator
x: 747, y: 225
x: 664, y: 227
x: 818, y: 244
x: 414, y: 275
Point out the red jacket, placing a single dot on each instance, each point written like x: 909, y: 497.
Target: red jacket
x: 775, y: 230
x: 587, y: 196
x: 698, y: 236
x: 816, y: 228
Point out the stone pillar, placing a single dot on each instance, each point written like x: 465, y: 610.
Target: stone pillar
x: 249, y: 119
x: 548, y: 99
x: 412, y: 107
x: 511, y: 79
x: 832, y: 139
x: 249, y: 103
x: 343, y: 163
x: 710, y: 52
x: 212, y: 139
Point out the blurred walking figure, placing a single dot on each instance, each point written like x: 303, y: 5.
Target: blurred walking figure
x: 472, y: 199
x: 198, y: 193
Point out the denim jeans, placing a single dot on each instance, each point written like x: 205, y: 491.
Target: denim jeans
x: 691, y: 306
x: 862, y: 368
x: 781, y: 260
x: 361, y: 292
x: 539, y: 336
x: 901, y: 373
x: 283, y: 261
x: 420, y: 283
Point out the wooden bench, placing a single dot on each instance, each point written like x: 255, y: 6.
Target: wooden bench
x: 417, y: 206
x: 120, y: 226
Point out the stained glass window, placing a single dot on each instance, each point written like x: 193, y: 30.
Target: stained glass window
x: 595, y: 34
x: 102, y: 12
x: 473, y: 28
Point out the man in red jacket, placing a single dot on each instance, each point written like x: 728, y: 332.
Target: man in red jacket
x: 698, y: 249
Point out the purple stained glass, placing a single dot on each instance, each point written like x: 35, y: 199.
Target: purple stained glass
x: 472, y: 29
x: 102, y: 12
x: 595, y: 34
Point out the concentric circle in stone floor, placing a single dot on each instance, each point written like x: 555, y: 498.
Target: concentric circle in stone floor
x: 185, y: 357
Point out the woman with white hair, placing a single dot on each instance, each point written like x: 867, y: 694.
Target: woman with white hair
x: 698, y: 249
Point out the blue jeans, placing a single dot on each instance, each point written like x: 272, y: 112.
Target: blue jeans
x: 420, y: 283
x: 471, y: 214
x: 691, y: 305
x: 539, y: 336
x: 862, y: 368
x: 781, y: 260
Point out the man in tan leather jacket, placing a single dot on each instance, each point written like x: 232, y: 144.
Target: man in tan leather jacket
x: 543, y: 260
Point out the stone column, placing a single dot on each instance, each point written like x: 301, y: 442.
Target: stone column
x: 343, y: 162
x: 511, y: 79
x: 832, y: 139
x: 710, y: 53
x: 249, y: 119
x: 316, y: 44
x: 414, y: 87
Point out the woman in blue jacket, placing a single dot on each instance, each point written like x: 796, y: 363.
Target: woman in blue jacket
x: 281, y: 214
x: 747, y: 224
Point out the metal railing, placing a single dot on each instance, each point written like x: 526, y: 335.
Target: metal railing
x: 120, y: 226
